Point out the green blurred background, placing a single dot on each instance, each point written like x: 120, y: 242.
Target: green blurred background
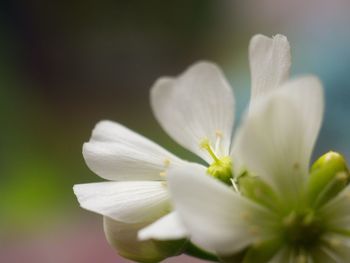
x: 65, y: 65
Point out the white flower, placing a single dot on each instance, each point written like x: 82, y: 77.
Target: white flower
x: 275, y: 142
x: 285, y: 214
x: 197, y: 110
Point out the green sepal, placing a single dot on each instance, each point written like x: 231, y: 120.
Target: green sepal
x: 329, y: 175
x: 197, y: 252
x: 234, y: 258
x: 123, y: 238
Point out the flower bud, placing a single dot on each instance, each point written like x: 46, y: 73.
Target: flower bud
x: 123, y: 237
x: 329, y: 175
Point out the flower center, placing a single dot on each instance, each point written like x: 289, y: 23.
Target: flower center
x: 221, y: 167
x: 302, y: 230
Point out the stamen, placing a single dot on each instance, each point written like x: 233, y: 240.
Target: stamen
x: 342, y: 176
x: 205, y: 144
x: 257, y: 244
x: 290, y: 219
x: 166, y: 162
x: 334, y: 242
x: 246, y: 216
x: 254, y: 230
x: 347, y: 195
x: 235, y: 186
x: 296, y: 166
x: 308, y: 219
x: 219, y: 135
x: 162, y: 174
x: 301, y: 259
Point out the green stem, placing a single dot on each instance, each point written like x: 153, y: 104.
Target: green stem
x: 194, y: 251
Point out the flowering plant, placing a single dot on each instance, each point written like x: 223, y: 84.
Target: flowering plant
x: 256, y: 199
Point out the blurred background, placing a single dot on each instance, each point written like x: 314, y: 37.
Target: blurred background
x: 64, y: 65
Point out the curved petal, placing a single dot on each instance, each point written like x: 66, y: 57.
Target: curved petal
x: 215, y: 217
x: 169, y: 227
x: 270, y: 62
x: 123, y: 237
x: 337, y: 246
x: 130, y: 202
x: 277, y: 137
x: 196, y: 105
x: 116, y: 153
x: 337, y: 211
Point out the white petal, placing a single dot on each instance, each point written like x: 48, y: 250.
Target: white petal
x: 169, y: 227
x: 123, y: 237
x: 270, y: 62
x: 337, y: 211
x: 338, y: 246
x: 116, y: 153
x: 277, y: 137
x: 213, y: 214
x: 196, y: 105
x: 130, y: 202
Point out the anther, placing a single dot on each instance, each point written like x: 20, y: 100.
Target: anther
x: 218, y: 134
x: 296, y: 166
x: 258, y: 192
x: 257, y: 244
x: 246, y: 216
x: 334, y: 242
x: 290, y: 219
x: 166, y: 162
x: 341, y: 176
x: 347, y: 195
x: 162, y: 174
x: 254, y: 230
x: 301, y: 259
x: 308, y: 219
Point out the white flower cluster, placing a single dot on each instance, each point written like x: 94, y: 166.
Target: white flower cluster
x: 255, y: 200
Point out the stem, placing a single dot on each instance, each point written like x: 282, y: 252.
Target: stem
x: 194, y: 251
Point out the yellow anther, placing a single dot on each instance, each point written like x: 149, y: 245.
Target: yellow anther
x: 301, y: 259
x: 257, y: 244
x: 258, y: 192
x: 166, y: 162
x: 218, y: 134
x: 205, y: 143
x: 347, y: 195
x: 254, y: 230
x: 290, y: 219
x: 308, y: 219
x: 246, y: 216
x: 334, y: 242
x: 162, y: 174
x: 341, y: 176
x: 296, y: 166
